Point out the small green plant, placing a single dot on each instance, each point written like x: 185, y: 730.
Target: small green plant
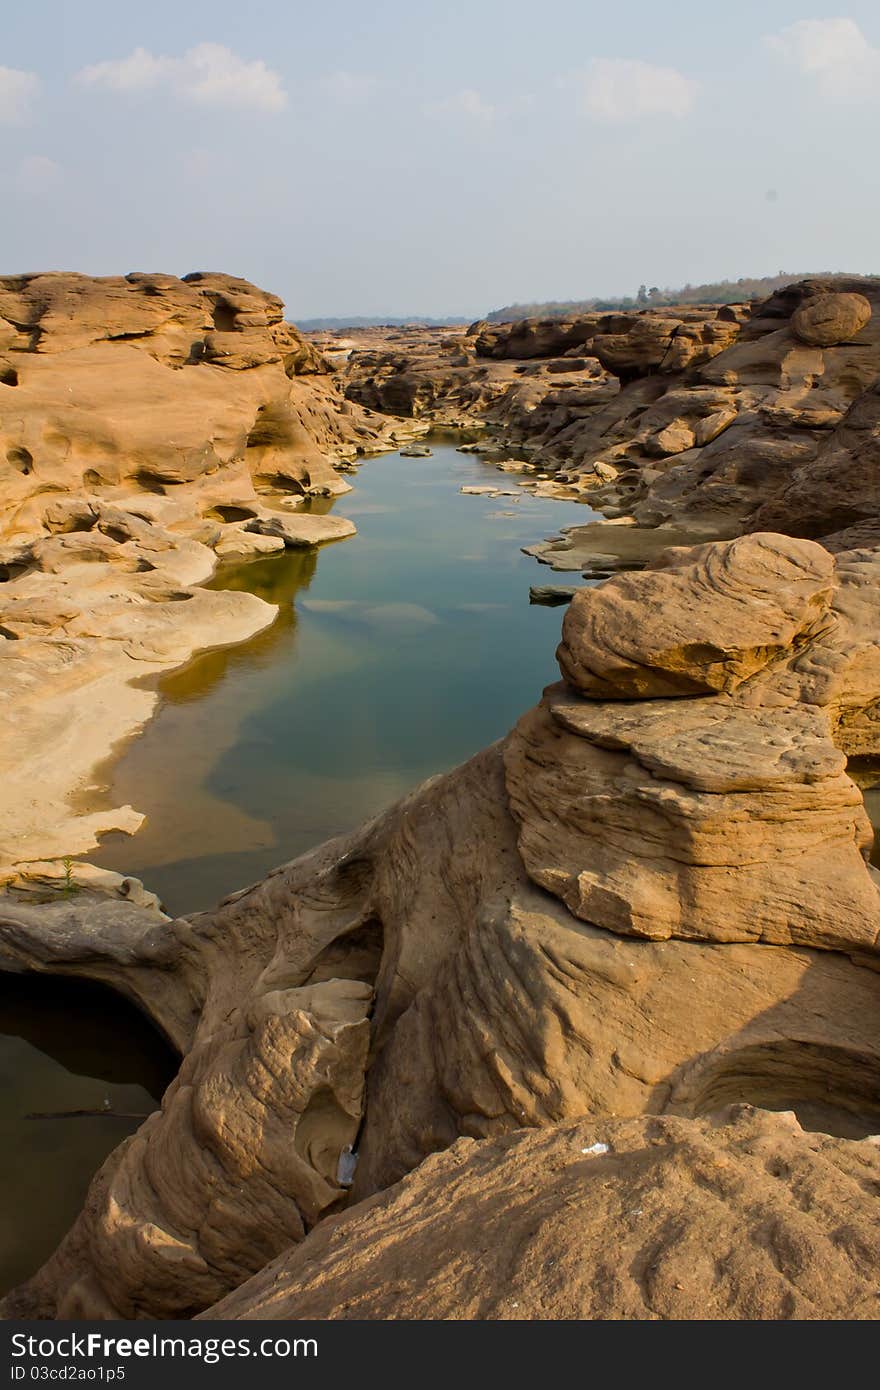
x: 68, y: 887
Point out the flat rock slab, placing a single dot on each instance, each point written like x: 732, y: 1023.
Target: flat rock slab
x: 711, y: 745
x: 486, y: 490
x: 301, y: 531
x: 552, y: 595
x: 607, y: 546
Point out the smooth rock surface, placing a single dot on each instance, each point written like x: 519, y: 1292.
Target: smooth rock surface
x: 830, y: 318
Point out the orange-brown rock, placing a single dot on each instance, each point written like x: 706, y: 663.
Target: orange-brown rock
x: 740, y: 1217
x: 697, y: 416
x: 829, y: 319
x: 706, y: 620
x: 149, y: 427
x: 643, y: 820
x: 659, y: 905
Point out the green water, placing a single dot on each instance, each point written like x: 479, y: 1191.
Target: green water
x: 65, y: 1045
x: 396, y: 654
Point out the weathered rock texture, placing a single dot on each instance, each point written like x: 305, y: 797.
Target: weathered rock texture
x: 655, y: 904
x: 659, y: 1218
x: 149, y: 427
x: 717, y: 419
x: 713, y: 616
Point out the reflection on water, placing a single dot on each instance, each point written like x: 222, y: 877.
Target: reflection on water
x: 865, y: 772
x: 872, y: 806
x: 64, y: 1045
x: 396, y: 654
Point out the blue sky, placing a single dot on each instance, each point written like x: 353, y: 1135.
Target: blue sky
x: 390, y: 157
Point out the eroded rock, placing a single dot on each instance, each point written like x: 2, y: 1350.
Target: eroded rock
x: 705, y: 621
x: 829, y: 319
x: 149, y: 428
x: 635, y: 905
x: 741, y: 1217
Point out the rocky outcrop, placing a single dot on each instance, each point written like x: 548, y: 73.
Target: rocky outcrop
x: 840, y: 487
x: 717, y: 419
x: 644, y: 901
x: 711, y: 617
x: 626, y: 344
x: 150, y: 428
x: 742, y: 1217
x: 146, y: 382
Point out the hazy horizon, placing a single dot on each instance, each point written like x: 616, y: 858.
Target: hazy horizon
x: 445, y: 162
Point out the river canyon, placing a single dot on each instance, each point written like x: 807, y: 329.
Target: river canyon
x: 405, y: 934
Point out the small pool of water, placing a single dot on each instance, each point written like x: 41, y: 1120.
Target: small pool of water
x: 396, y: 654
x: 65, y: 1045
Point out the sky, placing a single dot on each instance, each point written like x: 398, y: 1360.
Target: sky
x: 407, y: 156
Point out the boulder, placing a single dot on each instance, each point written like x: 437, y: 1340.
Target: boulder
x: 642, y: 819
x: 705, y: 620
x: 829, y: 319
x: 238, y: 544
x: 674, y: 438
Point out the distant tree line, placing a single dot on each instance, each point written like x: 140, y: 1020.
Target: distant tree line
x: 361, y: 321
x: 719, y: 292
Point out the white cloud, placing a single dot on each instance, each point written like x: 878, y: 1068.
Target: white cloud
x: 620, y: 90
x: 209, y: 74
x: 468, y: 102
x: 37, y: 173
x: 833, y: 51
x: 17, y: 92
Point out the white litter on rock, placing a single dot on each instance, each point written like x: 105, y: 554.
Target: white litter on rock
x: 346, y: 1166
x: 596, y: 1149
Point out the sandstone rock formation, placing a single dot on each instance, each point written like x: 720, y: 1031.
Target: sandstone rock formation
x: 706, y: 621
x: 715, y: 419
x: 645, y: 906
x: 650, y: 901
x: 657, y: 1218
x: 150, y: 428
x: 828, y: 319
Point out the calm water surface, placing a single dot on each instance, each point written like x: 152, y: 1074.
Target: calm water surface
x: 65, y: 1045
x: 396, y: 654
